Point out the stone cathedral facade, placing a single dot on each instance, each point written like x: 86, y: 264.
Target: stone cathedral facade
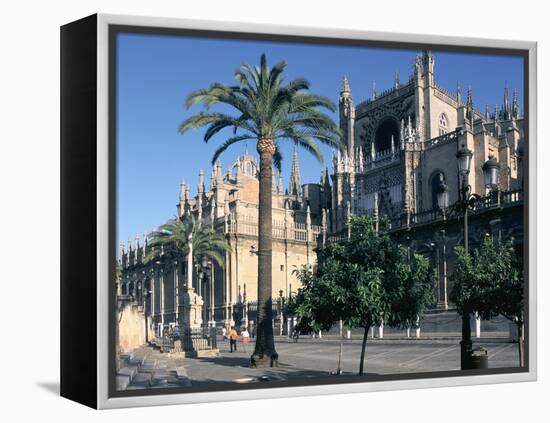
x: 401, y: 145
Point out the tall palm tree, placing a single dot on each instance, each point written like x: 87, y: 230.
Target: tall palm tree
x: 268, y: 111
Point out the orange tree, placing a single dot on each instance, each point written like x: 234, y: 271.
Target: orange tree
x: 489, y: 281
x: 364, y: 281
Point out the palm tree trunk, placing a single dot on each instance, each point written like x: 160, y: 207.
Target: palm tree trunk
x: 264, y: 350
x: 363, y: 350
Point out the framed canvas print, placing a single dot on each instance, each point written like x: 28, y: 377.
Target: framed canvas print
x: 255, y: 211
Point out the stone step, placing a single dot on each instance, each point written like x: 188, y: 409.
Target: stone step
x: 141, y: 380
x: 130, y: 371
x: 122, y: 382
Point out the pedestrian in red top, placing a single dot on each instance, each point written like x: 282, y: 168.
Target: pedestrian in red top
x: 233, y: 339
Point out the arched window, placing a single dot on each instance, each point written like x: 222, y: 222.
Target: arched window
x: 443, y: 124
x: 248, y: 168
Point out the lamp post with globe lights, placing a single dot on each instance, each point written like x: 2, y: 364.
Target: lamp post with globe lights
x: 466, y: 202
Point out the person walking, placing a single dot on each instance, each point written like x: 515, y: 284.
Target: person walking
x: 246, y: 338
x: 233, y: 339
x: 224, y: 333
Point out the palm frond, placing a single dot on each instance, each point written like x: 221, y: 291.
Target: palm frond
x: 228, y: 143
x: 267, y: 108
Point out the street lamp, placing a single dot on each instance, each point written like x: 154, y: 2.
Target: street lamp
x: 491, y: 170
x: 464, y: 158
x: 491, y: 173
x: 466, y: 202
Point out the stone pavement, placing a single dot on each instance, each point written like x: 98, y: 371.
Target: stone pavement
x: 308, y: 358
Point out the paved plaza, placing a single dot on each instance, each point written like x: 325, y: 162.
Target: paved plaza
x: 309, y: 358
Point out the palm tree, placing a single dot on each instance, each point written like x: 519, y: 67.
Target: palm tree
x: 172, y: 238
x: 268, y: 111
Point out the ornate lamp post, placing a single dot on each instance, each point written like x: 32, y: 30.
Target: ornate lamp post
x: 465, y: 202
x: 203, y: 282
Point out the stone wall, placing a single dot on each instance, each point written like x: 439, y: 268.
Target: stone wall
x: 131, y: 328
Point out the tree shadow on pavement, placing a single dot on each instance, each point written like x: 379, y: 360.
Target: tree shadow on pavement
x: 226, y: 361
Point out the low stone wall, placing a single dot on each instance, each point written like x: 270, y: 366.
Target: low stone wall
x: 131, y: 328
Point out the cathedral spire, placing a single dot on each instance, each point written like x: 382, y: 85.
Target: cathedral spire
x: 487, y: 113
x: 373, y: 89
x: 145, y: 244
x: 187, y: 194
x: 506, y: 103
x: 182, y: 191
x: 515, y: 105
x: 458, y: 93
x: 294, y: 188
x: 213, y: 178
x: 181, y: 205
x: 428, y: 63
x: 200, y: 193
x: 346, y: 90
x: 200, y: 188
x: 219, y: 175
x: 496, y: 122
x: 121, y: 250
x: 470, y: 105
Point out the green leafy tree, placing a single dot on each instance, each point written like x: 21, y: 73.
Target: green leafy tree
x: 364, y: 281
x: 267, y: 111
x: 489, y: 281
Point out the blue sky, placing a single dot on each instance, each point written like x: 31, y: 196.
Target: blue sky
x: 155, y: 73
